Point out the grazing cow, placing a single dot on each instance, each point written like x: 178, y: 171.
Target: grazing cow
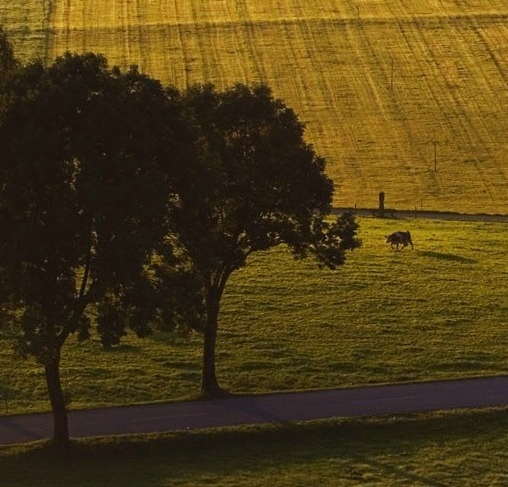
x: 399, y: 238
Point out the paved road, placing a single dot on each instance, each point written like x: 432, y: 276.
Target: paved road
x: 271, y: 408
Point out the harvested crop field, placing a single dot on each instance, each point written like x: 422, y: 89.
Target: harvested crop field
x: 409, y: 98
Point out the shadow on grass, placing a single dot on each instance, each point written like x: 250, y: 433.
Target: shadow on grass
x: 399, y: 473
x: 122, y: 348
x: 448, y: 257
x: 388, y: 447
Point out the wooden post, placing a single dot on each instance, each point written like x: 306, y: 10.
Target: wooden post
x: 391, y: 77
x: 382, y: 204
x: 435, y: 155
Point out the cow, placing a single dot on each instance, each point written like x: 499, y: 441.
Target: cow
x: 399, y: 238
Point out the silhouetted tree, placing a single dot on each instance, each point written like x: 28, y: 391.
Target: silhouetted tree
x: 83, y: 204
x: 7, y: 59
x: 256, y: 184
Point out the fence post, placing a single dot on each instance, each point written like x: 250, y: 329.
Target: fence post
x: 381, y: 204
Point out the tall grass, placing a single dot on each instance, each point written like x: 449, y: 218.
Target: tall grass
x: 403, y: 97
x: 439, y: 311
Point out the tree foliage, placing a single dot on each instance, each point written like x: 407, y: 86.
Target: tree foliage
x: 8, y: 60
x: 255, y: 184
x: 8, y: 63
x: 124, y: 204
x: 83, y: 199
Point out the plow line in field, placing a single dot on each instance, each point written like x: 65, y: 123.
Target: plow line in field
x: 132, y: 18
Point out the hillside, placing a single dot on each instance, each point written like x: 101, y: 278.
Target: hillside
x: 407, y: 99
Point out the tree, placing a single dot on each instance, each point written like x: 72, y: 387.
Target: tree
x: 7, y: 59
x: 255, y: 185
x: 8, y: 63
x: 83, y: 200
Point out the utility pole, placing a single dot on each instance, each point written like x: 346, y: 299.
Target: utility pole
x: 391, y: 77
x: 435, y: 154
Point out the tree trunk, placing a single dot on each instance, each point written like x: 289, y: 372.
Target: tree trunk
x: 209, y: 384
x: 58, y: 407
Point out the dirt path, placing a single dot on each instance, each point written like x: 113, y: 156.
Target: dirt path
x: 271, y: 408
x: 430, y: 215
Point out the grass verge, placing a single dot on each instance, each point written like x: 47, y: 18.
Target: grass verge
x: 439, y: 449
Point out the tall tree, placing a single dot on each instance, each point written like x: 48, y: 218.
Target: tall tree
x: 7, y: 59
x: 8, y: 63
x: 82, y: 205
x: 255, y: 185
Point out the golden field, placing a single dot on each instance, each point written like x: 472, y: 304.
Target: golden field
x: 409, y: 98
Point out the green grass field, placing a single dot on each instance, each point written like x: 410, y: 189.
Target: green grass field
x: 438, y: 311
x: 461, y: 449
x: 409, y: 98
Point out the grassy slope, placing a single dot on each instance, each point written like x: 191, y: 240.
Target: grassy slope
x: 389, y: 90
x: 436, y: 312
